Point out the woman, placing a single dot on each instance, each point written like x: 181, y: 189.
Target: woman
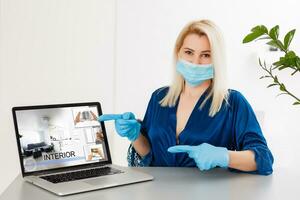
x: 197, y: 121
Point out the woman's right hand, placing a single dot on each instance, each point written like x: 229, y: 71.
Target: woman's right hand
x: 126, y: 125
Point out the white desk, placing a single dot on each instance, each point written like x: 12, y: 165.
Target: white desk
x: 180, y: 183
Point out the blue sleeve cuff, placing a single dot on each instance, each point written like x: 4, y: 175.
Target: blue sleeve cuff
x: 264, y: 161
x: 135, y: 160
x: 263, y: 158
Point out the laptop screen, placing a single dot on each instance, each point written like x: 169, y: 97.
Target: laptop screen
x: 59, y: 137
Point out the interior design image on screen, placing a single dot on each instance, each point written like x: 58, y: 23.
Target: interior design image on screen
x: 60, y: 137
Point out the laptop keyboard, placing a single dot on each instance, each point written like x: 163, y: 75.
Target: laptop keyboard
x: 77, y: 175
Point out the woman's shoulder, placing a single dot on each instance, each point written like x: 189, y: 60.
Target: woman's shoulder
x: 160, y: 93
x: 234, y: 93
x: 235, y: 97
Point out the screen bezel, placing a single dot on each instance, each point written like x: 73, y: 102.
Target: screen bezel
x: 35, y: 107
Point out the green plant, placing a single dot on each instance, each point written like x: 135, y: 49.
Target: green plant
x: 289, y: 61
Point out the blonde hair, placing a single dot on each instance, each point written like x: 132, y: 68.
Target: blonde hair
x: 219, y: 90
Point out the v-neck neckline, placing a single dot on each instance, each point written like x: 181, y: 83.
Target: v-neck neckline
x: 200, y: 99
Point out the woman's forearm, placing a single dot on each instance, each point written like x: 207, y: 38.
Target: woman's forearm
x: 242, y: 160
x: 141, y: 145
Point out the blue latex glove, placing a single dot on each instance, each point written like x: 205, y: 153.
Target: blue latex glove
x: 126, y: 124
x: 206, y: 156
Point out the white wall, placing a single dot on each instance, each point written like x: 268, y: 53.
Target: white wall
x: 48, y: 47
x: 52, y: 51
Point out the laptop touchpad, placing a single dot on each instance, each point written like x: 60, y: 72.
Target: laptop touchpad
x: 102, y: 181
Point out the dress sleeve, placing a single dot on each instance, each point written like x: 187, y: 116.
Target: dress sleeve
x: 133, y: 158
x: 249, y: 136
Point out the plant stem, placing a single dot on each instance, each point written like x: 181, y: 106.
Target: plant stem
x: 276, y: 81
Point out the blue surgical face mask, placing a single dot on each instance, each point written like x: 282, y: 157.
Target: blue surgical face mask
x: 195, y: 74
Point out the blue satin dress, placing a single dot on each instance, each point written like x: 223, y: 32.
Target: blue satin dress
x: 235, y: 127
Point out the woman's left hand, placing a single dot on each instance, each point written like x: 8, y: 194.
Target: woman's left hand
x: 206, y: 156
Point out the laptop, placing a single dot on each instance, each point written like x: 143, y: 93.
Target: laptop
x: 64, y: 149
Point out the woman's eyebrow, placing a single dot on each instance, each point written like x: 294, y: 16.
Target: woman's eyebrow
x: 205, y: 51
x: 189, y: 49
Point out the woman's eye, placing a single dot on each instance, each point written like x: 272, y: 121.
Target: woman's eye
x: 205, y: 55
x: 188, y: 52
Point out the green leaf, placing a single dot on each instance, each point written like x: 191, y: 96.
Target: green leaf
x: 264, y: 77
x: 257, y: 31
x: 271, y: 85
x: 283, y: 67
x: 273, y: 43
x: 282, y: 87
x: 292, y: 74
x: 277, y: 64
x: 252, y: 36
x: 296, y: 103
x: 274, y: 32
x: 288, y: 38
x: 290, y: 54
x: 282, y: 94
x: 298, y: 62
x: 276, y: 43
x: 259, y: 61
x: 288, y: 61
x: 260, y: 28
